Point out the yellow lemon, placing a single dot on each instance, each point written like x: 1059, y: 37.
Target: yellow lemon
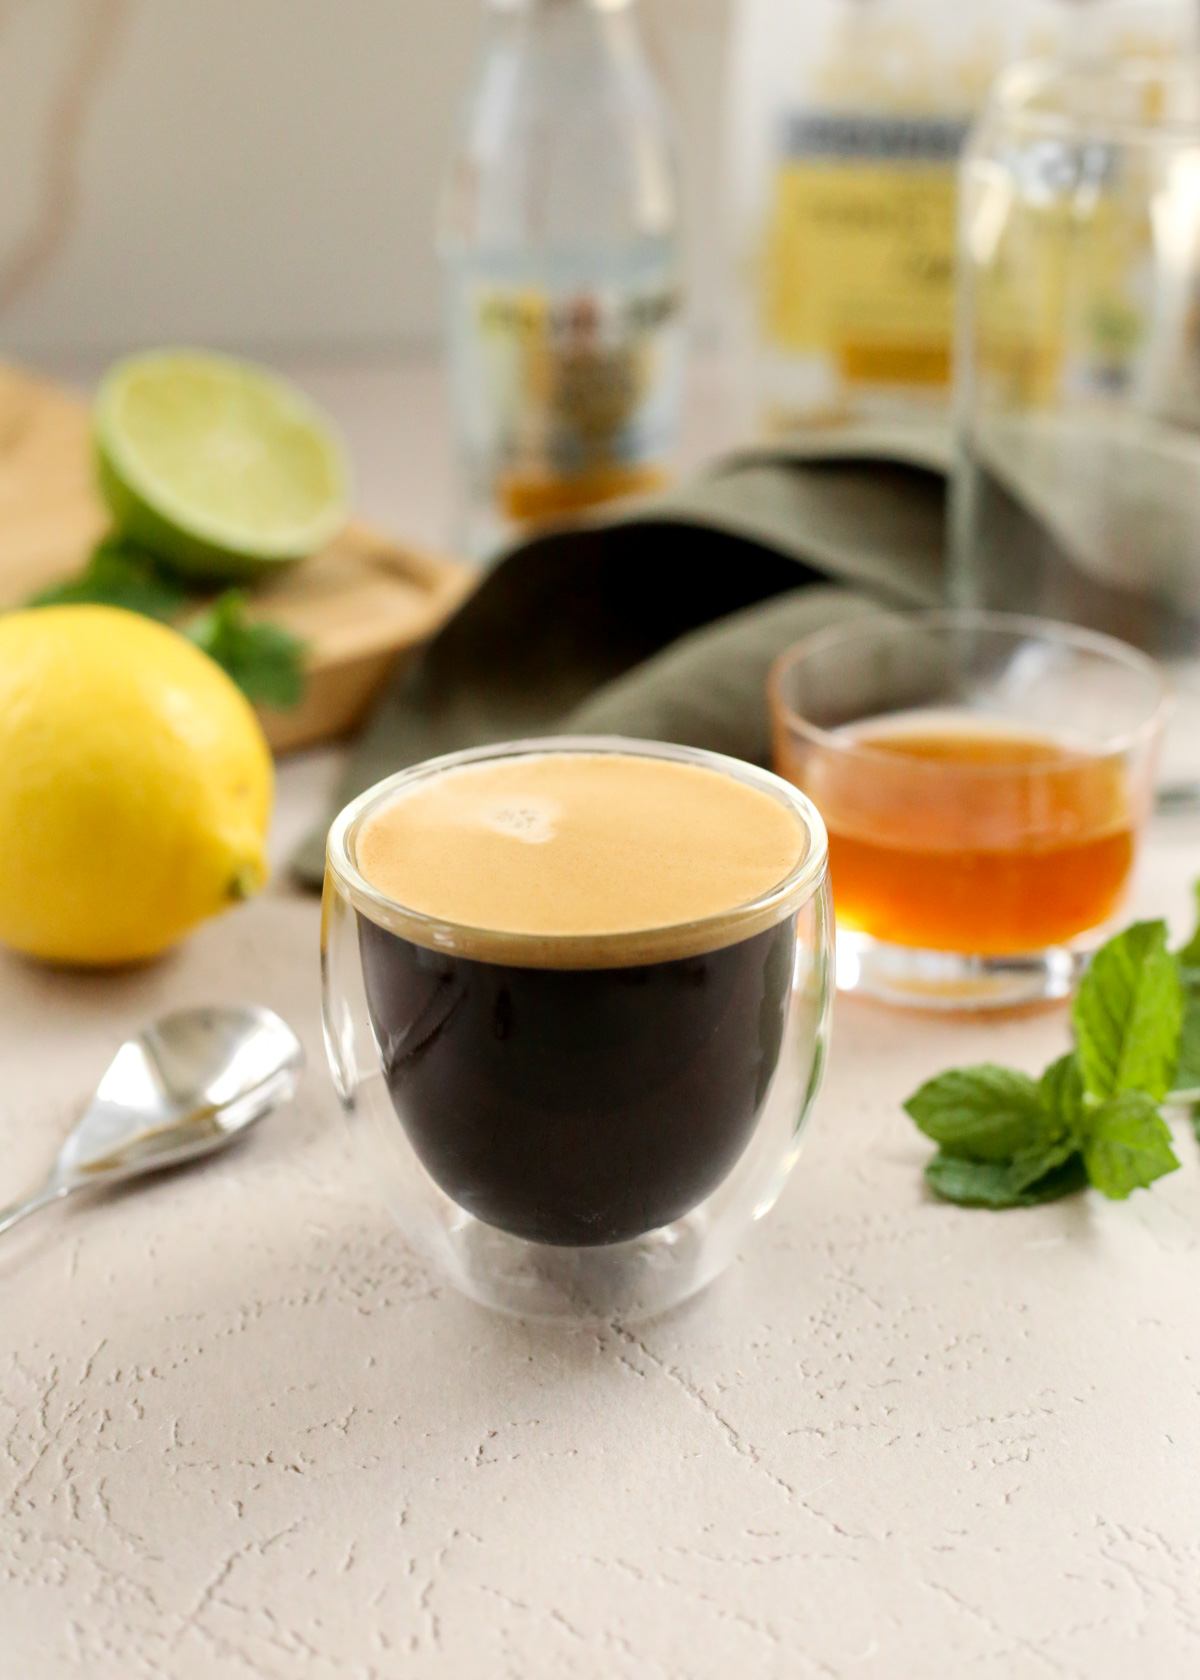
x: 135, y: 786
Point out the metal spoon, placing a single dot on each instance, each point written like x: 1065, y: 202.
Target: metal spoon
x: 185, y: 1087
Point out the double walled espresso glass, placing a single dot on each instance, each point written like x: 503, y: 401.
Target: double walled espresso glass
x: 578, y: 1125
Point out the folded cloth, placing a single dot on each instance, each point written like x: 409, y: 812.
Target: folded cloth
x: 661, y: 621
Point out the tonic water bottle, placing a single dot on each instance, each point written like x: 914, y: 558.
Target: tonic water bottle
x: 559, y: 240
x: 848, y: 118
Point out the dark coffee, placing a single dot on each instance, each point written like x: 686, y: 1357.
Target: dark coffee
x: 570, y: 1060
x: 579, y: 1107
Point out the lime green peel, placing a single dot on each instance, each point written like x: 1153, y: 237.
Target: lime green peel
x: 223, y: 470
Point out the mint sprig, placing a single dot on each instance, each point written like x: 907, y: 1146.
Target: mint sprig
x: 1128, y: 1014
x: 265, y: 660
x: 1128, y: 1145
x: 973, y: 1184
x: 118, y: 574
x: 1094, y: 1118
x: 983, y: 1114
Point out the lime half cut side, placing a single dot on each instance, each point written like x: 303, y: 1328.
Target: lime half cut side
x: 222, y: 469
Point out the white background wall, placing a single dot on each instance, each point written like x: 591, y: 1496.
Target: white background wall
x: 261, y: 173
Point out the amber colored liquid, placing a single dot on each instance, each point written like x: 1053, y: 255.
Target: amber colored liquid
x: 949, y: 836
x: 527, y: 496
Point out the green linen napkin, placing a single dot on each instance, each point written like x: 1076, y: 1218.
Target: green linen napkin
x: 662, y: 621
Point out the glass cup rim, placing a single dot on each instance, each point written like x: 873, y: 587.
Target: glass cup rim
x: 580, y: 951
x: 968, y: 618
x: 1020, y: 84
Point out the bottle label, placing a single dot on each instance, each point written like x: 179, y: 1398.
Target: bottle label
x: 578, y: 393
x: 860, y: 251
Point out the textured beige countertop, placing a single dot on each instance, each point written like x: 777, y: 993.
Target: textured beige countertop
x: 243, y: 1436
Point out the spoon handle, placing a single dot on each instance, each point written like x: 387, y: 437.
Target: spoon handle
x: 13, y: 1215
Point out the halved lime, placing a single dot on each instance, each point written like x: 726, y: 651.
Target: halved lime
x: 222, y: 469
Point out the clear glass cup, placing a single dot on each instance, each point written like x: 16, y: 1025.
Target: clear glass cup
x: 984, y: 780
x: 1077, y: 494
x: 617, y: 1174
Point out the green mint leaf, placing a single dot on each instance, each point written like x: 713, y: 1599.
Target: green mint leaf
x: 1062, y: 1097
x: 983, y: 1114
x: 1068, y: 1178
x: 988, y: 1185
x: 1128, y: 1014
x: 118, y: 574
x: 1189, y: 957
x: 1129, y: 1146
x: 1187, y: 1073
x: 264, y: 660
x: 1032, y: 1166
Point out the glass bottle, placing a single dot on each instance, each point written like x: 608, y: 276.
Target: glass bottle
x: 848, y: 118
x: 1077, y: 494
x: 559, y: 240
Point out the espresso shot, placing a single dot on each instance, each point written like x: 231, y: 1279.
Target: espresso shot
x: 581, y: 1066
x: 583, y: 1107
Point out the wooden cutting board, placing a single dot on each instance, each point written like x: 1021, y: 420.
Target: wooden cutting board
x: 359, y: 605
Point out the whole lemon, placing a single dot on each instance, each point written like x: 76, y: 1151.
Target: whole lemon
x: 135, y: 786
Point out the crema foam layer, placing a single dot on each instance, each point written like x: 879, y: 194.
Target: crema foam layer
x: 579, y: 845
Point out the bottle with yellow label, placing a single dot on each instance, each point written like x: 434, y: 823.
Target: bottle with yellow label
x: 848, y: 118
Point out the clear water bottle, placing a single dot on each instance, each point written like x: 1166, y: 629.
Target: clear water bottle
x: 559, y: 239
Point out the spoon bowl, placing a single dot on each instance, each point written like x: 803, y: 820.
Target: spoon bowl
x: 185, y: 1087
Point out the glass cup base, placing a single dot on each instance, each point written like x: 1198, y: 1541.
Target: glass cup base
x: 618, y: 1282
x: 947, y: 981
